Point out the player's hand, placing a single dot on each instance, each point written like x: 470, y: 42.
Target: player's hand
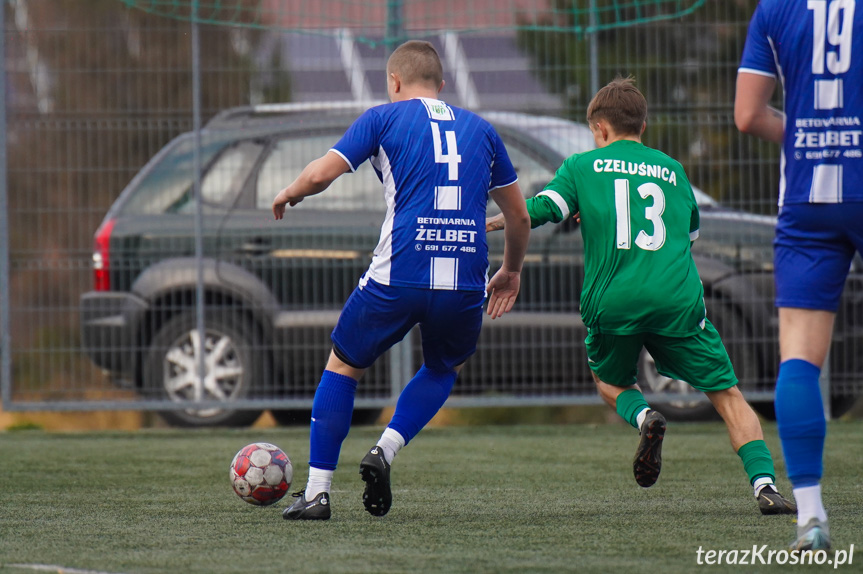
x: 503, y: 291
x: 282, y: 200
x: 278, y: 209
x: 577, y: 216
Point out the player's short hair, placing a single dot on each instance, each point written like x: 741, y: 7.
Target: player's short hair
x: 416, y: 62
x: 621, y: 104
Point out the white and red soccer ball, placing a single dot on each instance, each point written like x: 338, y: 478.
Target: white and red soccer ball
x: 261, y: 473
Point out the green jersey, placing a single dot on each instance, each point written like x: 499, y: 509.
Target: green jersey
x: 638, y: 219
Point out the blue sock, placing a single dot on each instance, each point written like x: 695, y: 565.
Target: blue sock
x: 420, y: 401
x: 331, y: 418
x: 801, y: 423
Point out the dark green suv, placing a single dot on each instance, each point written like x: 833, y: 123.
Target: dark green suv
x: 273, y: 290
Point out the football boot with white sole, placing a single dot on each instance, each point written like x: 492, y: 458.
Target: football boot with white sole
x: 814, y: 535
x: 771, y: 502
x: 648, y: 456
x: 375, y: 471
x: 317, y: 508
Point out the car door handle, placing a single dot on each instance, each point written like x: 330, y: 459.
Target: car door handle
x: 255, y: 247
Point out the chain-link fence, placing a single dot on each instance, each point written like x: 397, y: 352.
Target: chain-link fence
x: 146, y: 139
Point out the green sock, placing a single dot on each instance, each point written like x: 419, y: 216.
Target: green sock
x: 631, y: 402
x: 757, y: 461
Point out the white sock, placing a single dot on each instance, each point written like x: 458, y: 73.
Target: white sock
x: 809, y: 504
x: 760, y: 483
x: 392, y: 442
x: 639, y: 418
x: 320, y: 480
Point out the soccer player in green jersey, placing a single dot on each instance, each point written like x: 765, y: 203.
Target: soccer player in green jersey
x: 641, y: 289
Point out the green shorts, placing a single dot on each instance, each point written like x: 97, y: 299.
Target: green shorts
x: 701, y: 360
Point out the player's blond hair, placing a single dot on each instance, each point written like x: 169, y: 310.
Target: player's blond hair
x: 621, y: 104
x: 416, y: 62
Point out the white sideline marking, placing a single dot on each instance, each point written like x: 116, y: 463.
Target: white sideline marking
x: 55, y: 568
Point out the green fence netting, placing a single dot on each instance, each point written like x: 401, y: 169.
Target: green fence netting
x: 399, y: 19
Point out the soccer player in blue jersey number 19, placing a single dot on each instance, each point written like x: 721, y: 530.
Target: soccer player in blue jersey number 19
x: 438, y: 165
x: 810, y: 46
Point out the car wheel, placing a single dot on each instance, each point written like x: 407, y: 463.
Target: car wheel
x: 292, y: 417
x: 295, y: 417
x: 364, y: 417
x: 839, y: 405
x: 170, y: 369
x: 766, y: 409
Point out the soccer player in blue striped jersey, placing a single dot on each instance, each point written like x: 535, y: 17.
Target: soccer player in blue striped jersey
x: 810, y: 46
x: 439, y: 165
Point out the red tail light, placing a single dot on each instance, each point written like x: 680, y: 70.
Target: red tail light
x: 102, y: 256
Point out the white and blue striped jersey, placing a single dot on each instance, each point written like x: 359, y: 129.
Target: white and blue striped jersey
x: 437, y: 164
x: 815, y: 48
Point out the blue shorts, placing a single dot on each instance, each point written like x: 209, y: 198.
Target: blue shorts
x: 812, y: 253
x: 376, y: 317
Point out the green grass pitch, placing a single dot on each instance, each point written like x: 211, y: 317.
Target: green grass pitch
x: 528, y: 498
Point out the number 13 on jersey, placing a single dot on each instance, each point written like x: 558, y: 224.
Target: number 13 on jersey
x: 653, y: 214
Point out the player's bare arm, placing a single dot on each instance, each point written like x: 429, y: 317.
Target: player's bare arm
x: 752, y: 111
x: 495, y: 223
x: 504, y: 286
x: 315, y: 178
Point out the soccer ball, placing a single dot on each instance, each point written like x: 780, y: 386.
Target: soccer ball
x: 261, y: 473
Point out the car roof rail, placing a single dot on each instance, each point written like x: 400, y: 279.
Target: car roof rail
x: 238, y: 116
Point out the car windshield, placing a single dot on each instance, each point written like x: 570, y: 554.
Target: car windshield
x: 168, y: 186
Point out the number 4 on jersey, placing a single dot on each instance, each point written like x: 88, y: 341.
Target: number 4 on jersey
x: 451, y: 158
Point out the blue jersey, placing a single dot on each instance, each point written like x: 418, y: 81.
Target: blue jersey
x: 437, y: 164
x: 811, y: 46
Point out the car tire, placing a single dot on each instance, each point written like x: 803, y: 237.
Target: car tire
x: 839, y: 405
x: 172, y: 356
x: 766, y: 409
x: 297, y: 417
x: 292, y: 417
x: 365, y: 417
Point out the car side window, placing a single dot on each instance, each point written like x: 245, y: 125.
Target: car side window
x: 169, y: 186
x: 532, y: 175
x: 359, y: 191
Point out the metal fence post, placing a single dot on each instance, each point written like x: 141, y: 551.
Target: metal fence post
x: 594, y: 51
x: 5, y: 346
x: 199, y: 207
x: 395, y: 30
x: 400, y: 356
